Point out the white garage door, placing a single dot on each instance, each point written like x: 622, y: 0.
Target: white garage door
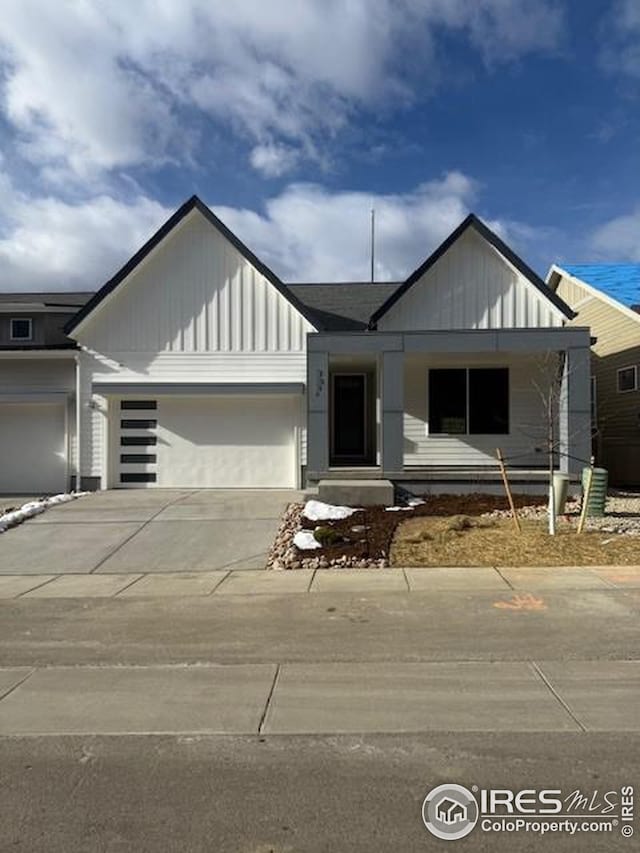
x: 33, y: 454
x: 209, y: 442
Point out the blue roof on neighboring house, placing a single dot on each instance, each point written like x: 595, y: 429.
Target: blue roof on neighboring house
x: 619, y: 281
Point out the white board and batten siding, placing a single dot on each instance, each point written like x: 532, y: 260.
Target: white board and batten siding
x: 194, y: 311
x: 471, y: 286
x: 195, y: 293
x: 527, y: 424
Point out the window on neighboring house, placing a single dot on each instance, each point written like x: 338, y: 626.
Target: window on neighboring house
x: 627, y: 379
x: 469, y: 401
x: 21, y: 329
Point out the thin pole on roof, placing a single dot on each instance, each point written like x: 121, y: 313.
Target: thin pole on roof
x: 373, y: 243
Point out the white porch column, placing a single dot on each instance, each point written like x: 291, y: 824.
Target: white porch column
x: 575, y: 410
x: 78, y: 466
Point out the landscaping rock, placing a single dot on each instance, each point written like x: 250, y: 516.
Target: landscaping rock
x: 364, y: 539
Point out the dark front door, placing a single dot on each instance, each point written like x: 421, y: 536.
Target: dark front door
x: 349, y: 418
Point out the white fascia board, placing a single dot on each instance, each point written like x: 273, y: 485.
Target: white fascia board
x: 593, y: 291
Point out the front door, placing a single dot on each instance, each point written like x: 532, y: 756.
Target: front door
x: 349, y: 419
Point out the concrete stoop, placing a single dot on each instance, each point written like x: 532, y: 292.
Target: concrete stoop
x: 356, y: 492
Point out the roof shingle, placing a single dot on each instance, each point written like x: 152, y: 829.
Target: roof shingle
x: 619, y: 281
x: 343, y: 306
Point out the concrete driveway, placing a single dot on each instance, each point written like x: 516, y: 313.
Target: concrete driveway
x: 143, y: 530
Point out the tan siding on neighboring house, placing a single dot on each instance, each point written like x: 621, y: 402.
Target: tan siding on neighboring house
x: 617, y: 442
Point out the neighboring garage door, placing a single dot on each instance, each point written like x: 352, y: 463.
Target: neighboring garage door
x: 209, y: 441
x: 33, y: 457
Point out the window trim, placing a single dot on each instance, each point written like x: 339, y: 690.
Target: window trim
x: 28, y: 337
x: 467, y: 434
x: 620, y: 370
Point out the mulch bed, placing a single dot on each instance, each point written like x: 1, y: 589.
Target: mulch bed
x: 474, y: 504
x: 369, y: 544
x: 372, y: 545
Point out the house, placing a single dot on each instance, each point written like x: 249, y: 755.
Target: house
x: 37, y: 390
x: 196, y: 366
x: 606, y: 297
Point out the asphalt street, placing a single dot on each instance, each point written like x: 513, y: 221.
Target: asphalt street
x: 308, y: 721
x: 190, y: 794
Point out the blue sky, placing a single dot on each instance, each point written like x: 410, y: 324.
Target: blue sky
x: 291, y: 120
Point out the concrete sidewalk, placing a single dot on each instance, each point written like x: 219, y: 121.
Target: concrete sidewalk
x: 322, y: 698
x: 347, y: 581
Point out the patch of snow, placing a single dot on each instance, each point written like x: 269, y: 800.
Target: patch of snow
x: 31, y: 508
x: 319, y: 511
x: 398, y: 508
x: 305, y: 540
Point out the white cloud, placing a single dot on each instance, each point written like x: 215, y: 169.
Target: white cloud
x: 93, y: 86
x: 621, y: 52
x: 70, y: 94
x: 51, y: 245
x: 274, y: 160
x: 618, y: 239
x: 306, y: 233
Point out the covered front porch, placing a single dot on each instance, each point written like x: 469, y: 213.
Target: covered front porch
x: 432, y: 407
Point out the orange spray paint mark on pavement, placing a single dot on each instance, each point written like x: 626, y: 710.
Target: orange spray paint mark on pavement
x: 528, y: 601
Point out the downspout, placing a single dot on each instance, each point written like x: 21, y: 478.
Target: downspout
x: 78, y: 425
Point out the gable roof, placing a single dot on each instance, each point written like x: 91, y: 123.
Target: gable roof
x: 619, y: 281
x: 193, y: 203
x: 343, y: 306
x: 472, y: 221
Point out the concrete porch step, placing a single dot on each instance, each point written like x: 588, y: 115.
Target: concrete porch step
x: 356, y: 492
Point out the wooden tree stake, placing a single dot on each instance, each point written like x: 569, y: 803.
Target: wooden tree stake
x: 585, y: 501
x: 507, y: 489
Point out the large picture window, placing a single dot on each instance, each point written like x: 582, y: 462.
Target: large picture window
x: 469, y: 401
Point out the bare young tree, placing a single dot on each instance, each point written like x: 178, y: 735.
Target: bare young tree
x: 549, y: 387
x: 549, y: 383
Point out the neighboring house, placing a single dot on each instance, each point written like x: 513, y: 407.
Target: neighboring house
x: 197, y: 367
x: 606, y: 297
x: 37, y: 385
